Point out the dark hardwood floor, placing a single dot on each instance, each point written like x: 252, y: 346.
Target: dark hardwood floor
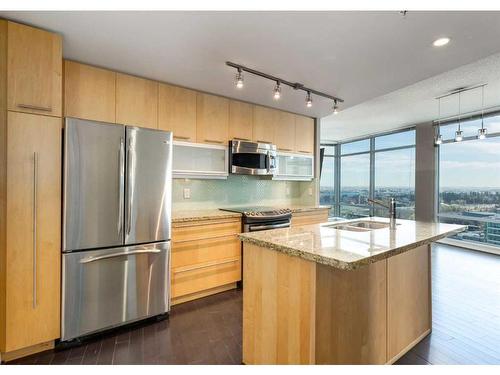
x: 466, y: 324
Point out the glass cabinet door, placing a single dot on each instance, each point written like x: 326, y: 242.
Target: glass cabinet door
x: 295, y: 167
x: 193, y: 160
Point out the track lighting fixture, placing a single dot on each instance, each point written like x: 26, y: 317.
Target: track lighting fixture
x: 335, y: 107
x: 277, y: 91
x: 280, y: 82
x: 309, y: 101
x: 482, y: 132
x: 239, y: 79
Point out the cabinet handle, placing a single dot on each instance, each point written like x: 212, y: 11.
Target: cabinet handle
x: 242, y: 139
x: 35, y: 204
x: 305, y: 152
x: 182, y: 270
x: 180, y: 137
x: 35, y: 107
x: 213, y: 141
x: 285, y: 149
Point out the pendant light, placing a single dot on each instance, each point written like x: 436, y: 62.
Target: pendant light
x: 459, y: 134
x: 439, y: 137
x: 482, y: 132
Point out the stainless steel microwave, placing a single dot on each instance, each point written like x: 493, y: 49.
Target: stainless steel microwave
x: 252, y: 158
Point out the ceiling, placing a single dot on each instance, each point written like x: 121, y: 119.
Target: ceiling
x: 357, y: 56
x: 416, y: 103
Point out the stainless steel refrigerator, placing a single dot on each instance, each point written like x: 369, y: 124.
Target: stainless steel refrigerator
x: 116, y: 225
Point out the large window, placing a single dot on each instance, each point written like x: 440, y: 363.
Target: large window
x: 354, y: 185
x: 469, y: 181
x: 380, y: 167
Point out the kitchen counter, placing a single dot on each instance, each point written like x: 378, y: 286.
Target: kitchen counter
x: 319, y: 295
x: 349, y: 250
x: 180, y: 216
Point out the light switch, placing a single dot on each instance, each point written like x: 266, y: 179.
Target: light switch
x: 310, y: 191
x: 288, y: 190
x: 187, y: 193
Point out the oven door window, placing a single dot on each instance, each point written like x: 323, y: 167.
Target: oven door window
x: 250, y: 160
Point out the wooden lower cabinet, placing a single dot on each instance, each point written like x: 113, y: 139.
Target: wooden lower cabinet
x: 30, y: 249
x: 206, y: 258
x: 299, y: 312
x: 310, y: 217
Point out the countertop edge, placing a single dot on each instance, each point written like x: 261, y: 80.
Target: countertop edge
x: 342, y: 265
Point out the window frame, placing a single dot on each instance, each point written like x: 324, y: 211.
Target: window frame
x: 335, y: 210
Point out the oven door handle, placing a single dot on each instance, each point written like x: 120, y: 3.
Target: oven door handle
x: 272, y: 226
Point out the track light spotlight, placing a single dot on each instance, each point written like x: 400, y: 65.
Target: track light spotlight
x: 309, y: 101
x: 335, y: 107
x: 277, y: 91
x: 239, y: 79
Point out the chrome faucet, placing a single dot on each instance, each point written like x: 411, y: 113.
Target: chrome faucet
x: 391, y: 207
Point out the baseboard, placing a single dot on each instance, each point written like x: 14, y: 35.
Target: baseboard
x: 24, y: 352
x: 409, y: 347
x: 203, y: 293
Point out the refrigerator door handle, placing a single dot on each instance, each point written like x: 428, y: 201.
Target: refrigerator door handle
x: 120, y: 254
x: 129, y: 184
x: 121, y: 186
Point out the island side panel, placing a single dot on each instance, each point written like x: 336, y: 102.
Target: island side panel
x: 409, y: 314
x: 278, y: 307
x: 351, y: 315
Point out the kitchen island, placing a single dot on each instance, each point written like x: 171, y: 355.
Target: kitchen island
x: 354, y: 292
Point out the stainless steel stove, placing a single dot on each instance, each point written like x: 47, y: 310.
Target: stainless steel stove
x: 263, y: 218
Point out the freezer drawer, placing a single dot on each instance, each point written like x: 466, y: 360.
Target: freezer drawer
x: 107, y: 288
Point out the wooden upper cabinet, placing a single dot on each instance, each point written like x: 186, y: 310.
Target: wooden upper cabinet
x: 264, y: 122
x: 212, y: 119
x: 33, y: 266
x: 34, y: 70
x: 136, y: 101
x: 284, y: 132
x: 89, y: 92
x: 240, y: 120
x: 177, y: 112
x: 304, y: 134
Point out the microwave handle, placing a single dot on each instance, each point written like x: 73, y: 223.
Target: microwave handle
x: 268, y: 162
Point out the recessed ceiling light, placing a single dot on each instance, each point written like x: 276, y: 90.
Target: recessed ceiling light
x: 441, y: 42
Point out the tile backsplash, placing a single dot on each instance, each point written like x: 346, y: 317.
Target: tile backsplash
x: 240, y: 190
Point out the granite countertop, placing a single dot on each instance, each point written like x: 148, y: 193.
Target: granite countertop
x: 349, y: 250
x: 180, y: 216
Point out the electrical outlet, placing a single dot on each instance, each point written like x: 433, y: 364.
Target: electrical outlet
x: 288, y: 190
x: 187, y: 193
x: 310, y: 191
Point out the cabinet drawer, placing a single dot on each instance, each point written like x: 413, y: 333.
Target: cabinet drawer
x: 192, y: 279
x: 203, y: 230
x: 311, y: 217
x: 203, y: 251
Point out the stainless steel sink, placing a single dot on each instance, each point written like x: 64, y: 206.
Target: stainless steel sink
x: 359, y: 226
